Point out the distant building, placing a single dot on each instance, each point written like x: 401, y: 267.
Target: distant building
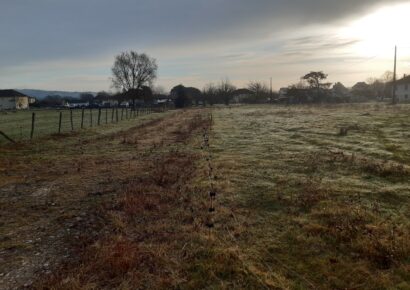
x: 403, y: 89
x: 13, y: 100
x: 160, y: 99
x: 283, y: 92
x: 76, y: 104
x: 241, y: 95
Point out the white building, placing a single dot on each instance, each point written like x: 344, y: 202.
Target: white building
x: 403, y: 89
x: 13, y: 100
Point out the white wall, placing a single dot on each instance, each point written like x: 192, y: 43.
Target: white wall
x: 12, y: 103
x: 403, y: 92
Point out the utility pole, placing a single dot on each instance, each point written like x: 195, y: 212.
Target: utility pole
x: 395, y: 75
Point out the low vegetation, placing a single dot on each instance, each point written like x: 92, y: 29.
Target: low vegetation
x: 315, y: 208
x: 247, y: 197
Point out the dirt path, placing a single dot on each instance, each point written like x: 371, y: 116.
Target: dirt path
x: 52, y: 192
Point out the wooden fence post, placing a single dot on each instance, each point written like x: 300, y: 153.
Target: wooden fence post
x: 112, y: 115
x: 126, y: 113
x: 33, y: 121
x: 122, y: 113
x: 99, y: 116
x: 91, y: 117
x: 59, y: 122
x: 82, y: 118
x: 71, y: 120
x: 106, y: 115
x: 116, y: 114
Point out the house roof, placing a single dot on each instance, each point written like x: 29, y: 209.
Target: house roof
x: 403, y: 81
x: 10, y: 93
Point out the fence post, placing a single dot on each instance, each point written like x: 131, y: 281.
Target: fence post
x: 99, y: 116
x: 71, y: 119
x: 106, y: 115
x: 122, y: 113
x: 59, y: 122
x: 126, y: 113
x: 33, y: 120
x: 82, y: 118
x: 116, y: 114
x: 91, y: 117
x: 112, y: 115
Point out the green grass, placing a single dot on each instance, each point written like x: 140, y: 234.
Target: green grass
x: 319, y: 210
x: 17, y: 124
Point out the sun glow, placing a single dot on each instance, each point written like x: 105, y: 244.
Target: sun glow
x: 378, y: 32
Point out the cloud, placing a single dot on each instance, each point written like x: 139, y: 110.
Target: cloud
x: 43, y: 32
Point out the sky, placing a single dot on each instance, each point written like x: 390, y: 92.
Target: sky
x: 71, y: 44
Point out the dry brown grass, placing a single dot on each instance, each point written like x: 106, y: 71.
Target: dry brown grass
x: 147, y: 225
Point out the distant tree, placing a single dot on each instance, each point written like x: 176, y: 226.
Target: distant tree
x: 146, y: 94
x: 51, y: 101
x: 387, y: 77
x: 301, y: 84
x: 258, y: 88
x: 225, y: 90
x: 180, y: 96
x: 315, y: 81
x: 210, y: 93
x: 298, y: 95
x: 132, y: 71
x: 362, y: 90
x: 377, y: 87
x: 103, y: 95
x: 194, y: 94
x: 86, y: 97
x: 340, y: 90
x: 260, y: 93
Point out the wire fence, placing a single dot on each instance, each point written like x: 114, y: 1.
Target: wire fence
x: 26, y: 125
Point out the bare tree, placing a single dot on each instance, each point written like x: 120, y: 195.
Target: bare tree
x: 210, y: 93
x: 387, y: 77
x: 225, y: 90
x: 258, y: 88
x: 133, y: 71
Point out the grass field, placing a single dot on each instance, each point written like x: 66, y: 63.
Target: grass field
x: 316, y: 207
x: 306, y: 198
x: 17, y: 124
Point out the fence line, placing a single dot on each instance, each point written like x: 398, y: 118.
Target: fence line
x: 27, y: 125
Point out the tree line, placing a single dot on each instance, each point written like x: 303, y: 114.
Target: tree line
x: 133, y: 76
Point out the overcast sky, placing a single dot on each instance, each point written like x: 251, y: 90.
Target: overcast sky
x: 71, y: 44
